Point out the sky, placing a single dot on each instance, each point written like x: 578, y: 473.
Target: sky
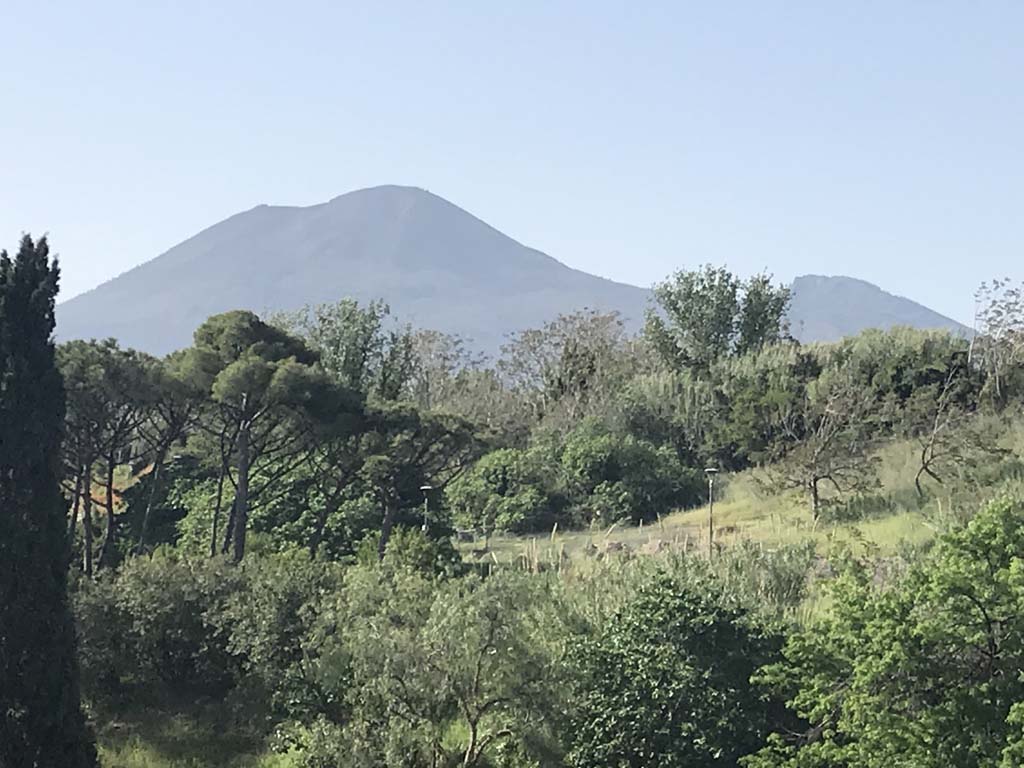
x: 880, y: 140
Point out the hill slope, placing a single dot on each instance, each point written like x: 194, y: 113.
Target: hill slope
x: 829, y: 308
x: 436, y: 265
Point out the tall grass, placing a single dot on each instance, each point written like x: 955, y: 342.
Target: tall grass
x: 148, y: 733
x: 885, y: 522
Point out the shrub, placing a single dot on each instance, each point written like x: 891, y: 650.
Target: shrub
x: 155, y: 620
x: 506, y: 491
x: 667, y: 680
x: 621, y: 477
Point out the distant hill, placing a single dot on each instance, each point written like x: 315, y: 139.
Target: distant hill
x: 436, y: 265
x: 829, y: 308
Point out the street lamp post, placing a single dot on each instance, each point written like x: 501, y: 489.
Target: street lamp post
x: 711, y: 472
x: 426, y: 499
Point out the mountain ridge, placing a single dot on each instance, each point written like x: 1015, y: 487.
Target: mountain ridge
x: 437, y: 265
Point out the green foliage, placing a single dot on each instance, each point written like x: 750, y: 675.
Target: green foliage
x: 680, y: 410
x: 41, y: 723
x: 352, y: 635
x: 706, y: 314
x: 270, y: 628
x: 902, y: 368
x: 110, y: 394
x: 355, y: 347
x: 262, y: 383
x: 570, y: 368
x: 436, y: 673
x: 619, y: 477
x: 759, y: 398
x: 667, y: 681
x: 156, y: 620
x: 926, y: 673
x: 776, y: 579
x: 411, y: 549
x: 506, y: 490
x: 825, y: 443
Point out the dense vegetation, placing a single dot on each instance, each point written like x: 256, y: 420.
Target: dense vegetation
x: 41, y: 723
x: 286, y: 535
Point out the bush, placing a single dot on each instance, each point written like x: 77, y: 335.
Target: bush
x: 924, y: 672
x: 270, y: 624
x: 620, y: 477
x: 506, y: 491
x: 156, y: 620
x: 410, y: 549
x: 667, y: 680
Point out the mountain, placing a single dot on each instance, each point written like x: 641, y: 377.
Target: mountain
x: 436, y: 265
x: 829, y: 308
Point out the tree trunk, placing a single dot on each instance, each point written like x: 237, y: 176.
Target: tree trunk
x: 242, y: 495
x: 87, y: 524
x: 470, y: 756
x: 229, y: 529
x: 216, y: 509
x: 329, y: 508
x: 110, y: 534
x: 76, y: 501
x: 815, y: 499
x: 158, y: 464
x: 390, y: 513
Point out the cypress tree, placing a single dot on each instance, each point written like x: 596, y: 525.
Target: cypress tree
x: 41, y: 721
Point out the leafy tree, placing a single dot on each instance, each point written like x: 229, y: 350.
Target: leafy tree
x: 442, y: 362
x: 177, y: 401
x: 41, y: 722
x: 405, y: 449
x: 758, y: 395
x: 111, y: 392
x: 926, y: 673
x: 155, y: 622
x: 951, y: 438
x: 667, y: 681
x: 356, y: 346
x: 480, y: 396
x: 999, y: 343
x: 705, y: 314
x: 617, y: 476
x: 761, y: 320
x: 505, y: 490
x: 333, y: 460
x: 272, y: 630
x: 896, y: 367
x: 677, y: 409
x: 439, y: 674
x: 257, y: 377
x: 412, y: 548
x: 826, y: 442
x: 86, y: 415
x: 570, y: 367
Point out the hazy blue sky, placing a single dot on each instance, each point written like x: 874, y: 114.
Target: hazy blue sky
x: 883, y: 140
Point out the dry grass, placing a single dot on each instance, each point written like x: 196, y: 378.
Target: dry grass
x: 890, y: 520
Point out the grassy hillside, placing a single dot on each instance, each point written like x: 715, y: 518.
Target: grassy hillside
x: 892, y: 518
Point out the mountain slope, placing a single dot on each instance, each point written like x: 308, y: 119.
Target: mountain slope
x: 829, y: 308
x: 436, y: 265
